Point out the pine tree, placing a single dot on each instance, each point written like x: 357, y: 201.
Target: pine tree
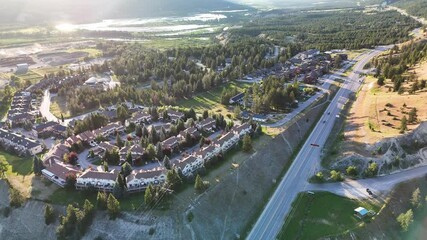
x: 126, y: 169
x: 113, y: 206
x: 138, y: 131
x: 129, y: 158
x: 49, y: 214
x: 205, y: 114
x: 166, y: 162
x: 247, y: 143
x: 37, y: 166
x: 159, y: 151
x: 412, y: 116
x: 151, y: 152
x: 199, y: 185
x: 101, y: 201
x: 403, y: 124
x: 173, y: 180
x: 144, y: 132
x: 119, y: 141
x: 148, y: 196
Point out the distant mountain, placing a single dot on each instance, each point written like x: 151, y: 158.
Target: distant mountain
x: 81, y: 11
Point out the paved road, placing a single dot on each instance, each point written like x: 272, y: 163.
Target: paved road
x: 45, y: 110
x: 379, y: 186
x: 307, y: 161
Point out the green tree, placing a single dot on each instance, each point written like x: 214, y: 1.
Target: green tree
x: 205, y: 114
x: 381, y: 80
x: 166, y: 162
x: 49, y: 214
x: 105, y: 165
x: 199, y: 185
x: 412, y: 115
x: 320, y: 177
x: 101, y: 201
x: 70, y: 180
x: 372, y: 169
x: 119, y: 141
x: 237, y: 111
x: 151, y: 152
x: 3, y: 167
x: 403, y: 124
x: 113, y: 206
x: 351, y: 171
x: 126, y: 169
x: 416, y: 198
x: 247, y: 143
x: 173, y: 180
x: 149, y: 196
x: 138, y: 131
x: 129, y: 157
x: 405, y: 219
x: 336, y: 176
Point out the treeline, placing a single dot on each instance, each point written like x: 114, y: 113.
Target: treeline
x: 274, y: 94
x: 396, y: 63
x: 413, y: 7
x: 342, y: 29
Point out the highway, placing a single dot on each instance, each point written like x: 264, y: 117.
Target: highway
x: 307, y: 161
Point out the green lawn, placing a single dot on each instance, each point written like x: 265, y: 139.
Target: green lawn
x: 211, y: 100
x: 31, y: 76
x: 17, y: 165
x: 321, y: 215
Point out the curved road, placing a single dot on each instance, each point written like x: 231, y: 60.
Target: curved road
x: 306, y: 162
x: 379, y: 185
x: 45, y: 110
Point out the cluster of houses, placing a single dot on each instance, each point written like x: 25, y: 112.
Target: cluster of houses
x: 22, y: 109
x: 138, y: 180
x: 19, y: 143
x: 311, y: 63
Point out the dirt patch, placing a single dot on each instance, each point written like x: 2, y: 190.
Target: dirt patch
x: 61, y: 58
x: 377, y: 113
x: 12, y: 61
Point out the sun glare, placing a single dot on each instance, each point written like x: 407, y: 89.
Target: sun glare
x: 65, y: 27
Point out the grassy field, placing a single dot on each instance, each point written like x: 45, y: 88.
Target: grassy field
x: 322, y: 215
x: 58, y: 106
x: 19, y: 172
x: 211, y: 100
x: 31, y: 76
x: 93, y: 52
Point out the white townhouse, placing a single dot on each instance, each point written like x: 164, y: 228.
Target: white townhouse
x: 19, y: 142
x: 101, y: 181
x: 57, y: 173
x: 189, y: 165
x: 207, y: 153
x: 227, y: 141
x: 242, y: 130
x: 139, y: 180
